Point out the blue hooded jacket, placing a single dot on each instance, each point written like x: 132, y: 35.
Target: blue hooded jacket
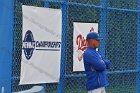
x: 95, y: 68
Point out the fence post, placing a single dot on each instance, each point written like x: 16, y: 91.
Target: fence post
x: 103, y: 26
x: 138, y: 51
x: 46, y: 4
x: 6, y: 44
x: 63, y: 48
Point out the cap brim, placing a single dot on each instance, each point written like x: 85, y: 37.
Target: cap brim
x: 99, y: 38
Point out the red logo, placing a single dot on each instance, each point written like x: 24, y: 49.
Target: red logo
x: 82, y: 44
x: 81, y: 41
x: 92, y: 29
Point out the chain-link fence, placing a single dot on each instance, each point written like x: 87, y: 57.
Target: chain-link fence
x: 118, y: 23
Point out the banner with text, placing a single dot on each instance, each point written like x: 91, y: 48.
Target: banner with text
x: 41, y: 45
x: 79, y: 42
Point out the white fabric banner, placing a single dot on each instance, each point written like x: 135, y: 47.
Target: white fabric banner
x: 79, y: 42
x: 41, y: 47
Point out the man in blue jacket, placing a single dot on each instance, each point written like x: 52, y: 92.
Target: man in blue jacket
x: 95, y: 65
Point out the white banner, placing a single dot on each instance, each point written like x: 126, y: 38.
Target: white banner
x: 41, y: 48
x: 79, y: 42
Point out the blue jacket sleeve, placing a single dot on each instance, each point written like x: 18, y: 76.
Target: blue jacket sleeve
x: 95, y: 61
x: 107, y: 62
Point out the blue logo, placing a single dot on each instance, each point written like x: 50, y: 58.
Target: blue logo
x: 29, y: 45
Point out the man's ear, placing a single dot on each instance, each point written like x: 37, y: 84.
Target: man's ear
x: 87, y: 41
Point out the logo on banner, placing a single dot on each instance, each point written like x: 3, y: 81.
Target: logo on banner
x: 82, y: 44
x: 29, y: 45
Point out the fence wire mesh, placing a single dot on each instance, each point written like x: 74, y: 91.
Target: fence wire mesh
x: 121, y: 50
x: 121, y: 43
